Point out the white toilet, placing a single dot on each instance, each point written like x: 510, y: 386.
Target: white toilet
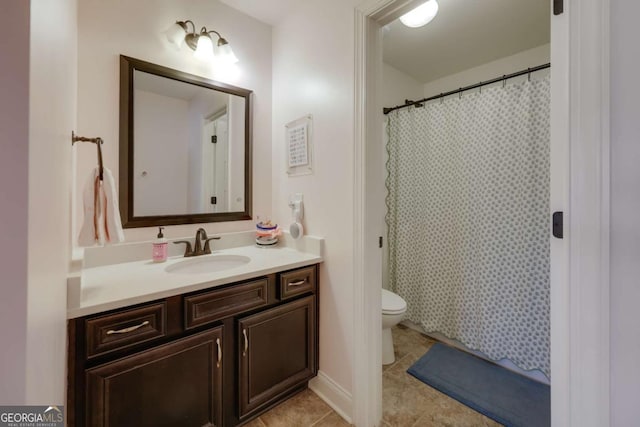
x: 393, y: 309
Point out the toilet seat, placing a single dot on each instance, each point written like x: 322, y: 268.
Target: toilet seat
x: 392, y: 303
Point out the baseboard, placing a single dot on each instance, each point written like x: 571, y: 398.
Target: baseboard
x: 333, y: 394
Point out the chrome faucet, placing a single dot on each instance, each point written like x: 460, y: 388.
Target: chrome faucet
x: 201, y: 236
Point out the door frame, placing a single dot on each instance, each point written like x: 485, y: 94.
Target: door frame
x: 580, y: 261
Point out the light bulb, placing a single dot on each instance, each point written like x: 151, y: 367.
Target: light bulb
x: 421, y: 15
x: 204, y: 49
x: 225, y: 54
x: 175, y: 34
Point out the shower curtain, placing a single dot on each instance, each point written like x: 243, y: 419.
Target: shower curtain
x: 468, y: 219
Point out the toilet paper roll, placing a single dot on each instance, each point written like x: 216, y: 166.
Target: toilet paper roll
x: 296, y: 230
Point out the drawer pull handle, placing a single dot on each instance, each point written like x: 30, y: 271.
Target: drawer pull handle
x: 219, y: 352
x: 298, y: 283
x: 246, y: 342
x: 129, y: 329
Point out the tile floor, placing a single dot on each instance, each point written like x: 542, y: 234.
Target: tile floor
x: 406, y: 401
x: 305, y: 409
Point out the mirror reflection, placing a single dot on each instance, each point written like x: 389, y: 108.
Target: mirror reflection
x: 185, y: 146
x: 183, y: 160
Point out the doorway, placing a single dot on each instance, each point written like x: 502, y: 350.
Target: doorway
x: 466, y: 167
x: 576, y: 399
x: 215, y: 163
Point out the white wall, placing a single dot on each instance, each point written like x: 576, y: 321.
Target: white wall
x: 398, y: 86
x: 107, y: 29
x: 162, y: 133
x: 625, y: 214
x: 510, y: 64
x: 314, y: 73
x: 52, y: 113
x: 14, y: 174
x: 37, y: 113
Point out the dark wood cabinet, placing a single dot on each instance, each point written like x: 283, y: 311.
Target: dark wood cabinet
x: 175, y: 384
x: 125, y: 328
x: 204, y: 308
x: 217, y: 357
x: 277, y: 352
x: 297, y: 282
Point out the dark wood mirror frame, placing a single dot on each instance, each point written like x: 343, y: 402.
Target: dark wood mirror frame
x: 127, y: 67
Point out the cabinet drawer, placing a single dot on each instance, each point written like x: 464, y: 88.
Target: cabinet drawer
x: 125, y: 329
x: 297, y: 282
x: 215, y: 305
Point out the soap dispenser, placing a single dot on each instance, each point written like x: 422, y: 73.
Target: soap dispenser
x: 160, y: 247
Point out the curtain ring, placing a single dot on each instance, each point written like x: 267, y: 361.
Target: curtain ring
x: 504, y: 81
x: 441, y: 98
x: 460, y: 93
x: 529, y: 74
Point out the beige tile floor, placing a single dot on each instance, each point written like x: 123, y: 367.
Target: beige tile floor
x: 305, y: 409
x: 406, y: 401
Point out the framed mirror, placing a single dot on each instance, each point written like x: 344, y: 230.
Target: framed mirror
x: 185, y: 147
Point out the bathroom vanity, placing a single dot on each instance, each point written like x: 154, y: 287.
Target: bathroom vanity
x: 214, y: 352
x: 206, y: 339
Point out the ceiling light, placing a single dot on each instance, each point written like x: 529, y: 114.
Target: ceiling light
x: 421, y: 15
x: 201, y: 43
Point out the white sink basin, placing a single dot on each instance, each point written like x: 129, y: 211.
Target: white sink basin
x: 207, y: 264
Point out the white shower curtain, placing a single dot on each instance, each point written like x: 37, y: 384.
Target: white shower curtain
x: 468, y: 219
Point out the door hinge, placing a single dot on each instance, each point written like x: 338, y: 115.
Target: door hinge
x: 214, y: 139
x: 558, y: 7
x: 558, y: 228
x: 380, y: 241
x: 214, y: 200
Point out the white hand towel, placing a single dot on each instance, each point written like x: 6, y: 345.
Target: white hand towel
x: 101, y: 214
x: 112, y: 222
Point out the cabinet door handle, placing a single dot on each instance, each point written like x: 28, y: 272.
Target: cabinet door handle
x: 129, y: 329
x: 219, y: 352
x: 298, y: 283
x: 246, y: 342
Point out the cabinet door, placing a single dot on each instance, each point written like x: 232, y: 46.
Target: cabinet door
x: 277, y: 352
x: 176, y: 384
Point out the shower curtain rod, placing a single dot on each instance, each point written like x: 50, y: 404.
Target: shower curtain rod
x: 408, y: 103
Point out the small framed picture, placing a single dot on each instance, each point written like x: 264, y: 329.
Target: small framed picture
x: 299, y: 146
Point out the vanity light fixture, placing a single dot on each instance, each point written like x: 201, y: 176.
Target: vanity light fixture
x: 201, y: 43
x: 421, y: 15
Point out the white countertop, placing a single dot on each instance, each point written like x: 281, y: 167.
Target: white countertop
x: 107, y: 287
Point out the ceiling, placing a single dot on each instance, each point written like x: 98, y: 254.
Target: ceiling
x: 267, y: 11
x: 176, y: 89
x: 465, y: 34
x: 164, y: 86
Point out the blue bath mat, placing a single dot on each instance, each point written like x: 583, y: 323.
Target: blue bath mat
x: 507, y: 397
